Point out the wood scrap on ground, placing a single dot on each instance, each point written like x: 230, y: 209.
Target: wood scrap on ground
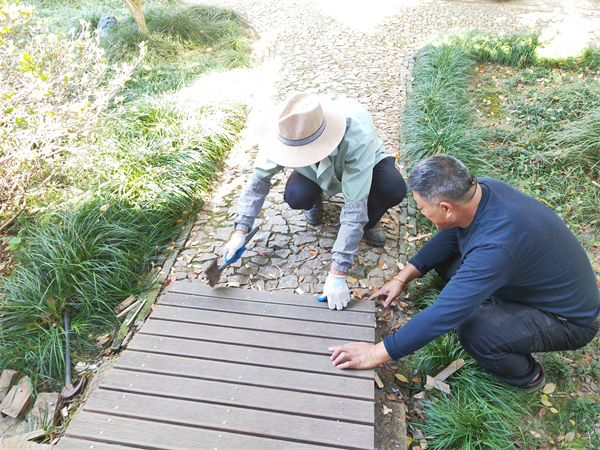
x: 437, y: 381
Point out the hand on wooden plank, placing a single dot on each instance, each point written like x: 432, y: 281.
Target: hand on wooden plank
x: 359, y: 355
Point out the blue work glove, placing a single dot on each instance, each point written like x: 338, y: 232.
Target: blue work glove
x: 336, y: 292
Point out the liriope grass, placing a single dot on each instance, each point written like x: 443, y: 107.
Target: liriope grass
x: 438, y: 117
x: 482, y: 413
x: 84, y: 261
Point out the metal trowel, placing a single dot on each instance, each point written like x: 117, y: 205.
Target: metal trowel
x: 214, y: 271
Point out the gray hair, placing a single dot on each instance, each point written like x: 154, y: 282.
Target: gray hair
x: 441, y: 177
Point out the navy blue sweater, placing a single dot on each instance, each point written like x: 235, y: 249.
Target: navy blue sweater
x: 516, y: 249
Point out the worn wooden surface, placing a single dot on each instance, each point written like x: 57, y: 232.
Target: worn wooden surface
x: 233, y: 369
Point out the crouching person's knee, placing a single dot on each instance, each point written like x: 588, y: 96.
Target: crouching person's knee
x: 474, y: 338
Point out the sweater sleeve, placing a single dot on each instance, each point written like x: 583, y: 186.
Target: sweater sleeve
x: 437, y: 249
x: 484, y: 270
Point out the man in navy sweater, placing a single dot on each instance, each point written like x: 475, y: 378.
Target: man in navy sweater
x: 499, y: 244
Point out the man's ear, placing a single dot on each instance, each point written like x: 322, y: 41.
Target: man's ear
x: 447, y: 208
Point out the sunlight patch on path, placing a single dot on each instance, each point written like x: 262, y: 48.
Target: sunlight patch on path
x: 361, y: 15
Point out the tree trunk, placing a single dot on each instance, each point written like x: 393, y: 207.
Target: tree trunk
x: 135, y: 8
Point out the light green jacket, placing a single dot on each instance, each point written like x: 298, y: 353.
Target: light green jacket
x: 348, y: 169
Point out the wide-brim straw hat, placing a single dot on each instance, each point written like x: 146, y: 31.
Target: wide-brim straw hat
x: 302, y: 130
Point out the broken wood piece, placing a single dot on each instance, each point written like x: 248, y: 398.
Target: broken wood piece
x: 419, y: 237
x: 135, y: 313
x: 378, y: 381
x: 124, y: 304
x: 44, y: 411
x: 36, y: 434
x: 452, y: 367
x: 17, y: 400
x: 129, y: 308
x: 7, y: 379
x: 435, y: 383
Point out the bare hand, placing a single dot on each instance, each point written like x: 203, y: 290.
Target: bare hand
x: 390, y: 291
x: 359, y: 355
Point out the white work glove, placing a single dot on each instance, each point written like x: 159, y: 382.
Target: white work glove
x: 336, y: 292
x: 235, y: 243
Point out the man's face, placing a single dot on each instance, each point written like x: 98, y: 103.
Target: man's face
x: 433, y: 211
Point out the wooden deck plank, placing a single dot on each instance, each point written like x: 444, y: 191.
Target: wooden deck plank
x: 346, y: 333
x: 258, y: 339
x: 146, y: 435
x: 230, y: 372
x: 232, y: 419
x: 67, y: 443
x: 270, y: 399
x: 264, y: 296
x: 270, y: 310
x: 246, y: 355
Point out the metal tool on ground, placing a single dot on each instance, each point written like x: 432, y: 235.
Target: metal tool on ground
x: 70, y: 390
x: 214, y: 271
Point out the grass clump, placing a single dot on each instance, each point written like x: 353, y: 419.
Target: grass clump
x: 510, y: 50
x: 482, y: 413
x: 158, y: 152
x: 84, y: 261
x: 438, y: 117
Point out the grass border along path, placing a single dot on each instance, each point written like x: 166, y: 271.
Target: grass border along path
x: 446, y: 113
x: 120, y: 196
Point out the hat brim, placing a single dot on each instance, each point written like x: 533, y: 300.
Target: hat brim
x: 303, y: 155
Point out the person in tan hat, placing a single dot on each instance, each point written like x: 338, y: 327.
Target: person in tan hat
x: 332, y: 145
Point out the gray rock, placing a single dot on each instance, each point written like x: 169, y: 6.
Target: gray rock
x: 280, y: 242
x: 326, y: 242
x: 304, y: 238
x: 288, y: 281
x: 106, y: 24
x: 223, y: 234
x: 284, y: 253
x: 358, y: 271
x: 376, y: 272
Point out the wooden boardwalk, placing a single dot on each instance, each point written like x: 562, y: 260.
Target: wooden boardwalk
x: 233, y: 369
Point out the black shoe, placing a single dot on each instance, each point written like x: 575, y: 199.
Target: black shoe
x: 541, y: 381
x: 374, y: 236
x: 314, y: 216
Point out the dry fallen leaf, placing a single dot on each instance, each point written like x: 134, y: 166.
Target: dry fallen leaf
x: 104, y: 207
x: 546, y: 403
x: 401, y: 378
x: 549, y: 388
x: 312, y: 253
x: 569, y: 436
x: 385, y: 410
x: 554, y: 410
x: 300, y: 279
x: 357, y: 293
x: 351, y: 280
x: 542, y: 411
